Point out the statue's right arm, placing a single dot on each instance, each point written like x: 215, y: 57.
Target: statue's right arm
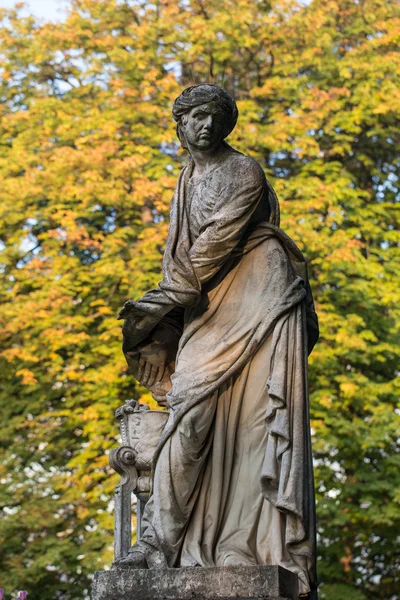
x: 223, y: 231
x: 185, y: 271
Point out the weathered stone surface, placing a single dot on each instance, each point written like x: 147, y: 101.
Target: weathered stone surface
x: 218, y: 583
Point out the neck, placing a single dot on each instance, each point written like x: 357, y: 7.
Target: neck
x: 202, y: 160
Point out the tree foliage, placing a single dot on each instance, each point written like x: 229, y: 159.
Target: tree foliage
x: 88, y: 162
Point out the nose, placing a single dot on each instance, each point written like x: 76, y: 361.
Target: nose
x: 208, y: 122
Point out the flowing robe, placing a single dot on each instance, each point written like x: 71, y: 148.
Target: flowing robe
x: 233, y: 480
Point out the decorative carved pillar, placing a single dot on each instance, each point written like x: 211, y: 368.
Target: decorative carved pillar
x: 122, y: 460
x: 141, y: 430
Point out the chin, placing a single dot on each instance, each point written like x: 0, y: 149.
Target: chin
x: 206, y: 145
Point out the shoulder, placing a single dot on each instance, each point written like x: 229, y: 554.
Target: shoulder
x: 241, y: 169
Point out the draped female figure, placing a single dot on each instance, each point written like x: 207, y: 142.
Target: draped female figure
x: 223, y: 343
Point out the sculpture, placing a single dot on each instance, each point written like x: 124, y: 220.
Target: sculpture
x: 223, y: 343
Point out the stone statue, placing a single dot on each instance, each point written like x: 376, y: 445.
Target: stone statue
x: 223, y: 343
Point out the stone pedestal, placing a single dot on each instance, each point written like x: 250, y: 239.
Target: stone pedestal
x: 218, y: 583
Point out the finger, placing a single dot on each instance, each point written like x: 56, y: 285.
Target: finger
x: 142, y: 363
x: 153, y: 376
x: 160, y: 374
x: 146, y: 374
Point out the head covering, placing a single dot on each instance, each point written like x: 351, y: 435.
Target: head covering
x: 196, y: 95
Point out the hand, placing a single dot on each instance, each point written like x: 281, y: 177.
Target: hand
x: 152, y: 364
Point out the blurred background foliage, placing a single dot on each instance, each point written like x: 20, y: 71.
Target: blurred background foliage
x: 88, y: 164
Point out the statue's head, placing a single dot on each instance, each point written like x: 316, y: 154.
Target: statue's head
x: 205, y: 115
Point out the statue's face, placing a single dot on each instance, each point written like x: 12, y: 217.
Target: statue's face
x: 204, y: 126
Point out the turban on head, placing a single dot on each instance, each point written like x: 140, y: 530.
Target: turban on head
x: 197, y: 95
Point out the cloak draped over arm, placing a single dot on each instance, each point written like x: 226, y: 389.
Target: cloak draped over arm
x: 223, y: 231
x: 187, y: 267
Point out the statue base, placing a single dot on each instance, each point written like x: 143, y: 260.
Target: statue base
x: 217, y: 583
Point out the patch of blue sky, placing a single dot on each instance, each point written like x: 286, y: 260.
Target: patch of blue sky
x: 50, y: 10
